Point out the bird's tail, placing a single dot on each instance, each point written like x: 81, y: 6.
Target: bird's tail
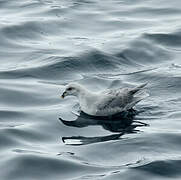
x: 138, y: 88
x: 138, y: 94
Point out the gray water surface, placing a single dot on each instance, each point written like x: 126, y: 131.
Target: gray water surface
x: 45, y: 44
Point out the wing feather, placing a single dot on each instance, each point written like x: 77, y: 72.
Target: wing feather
x: 118, y: 100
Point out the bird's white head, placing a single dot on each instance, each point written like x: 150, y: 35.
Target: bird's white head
x: 72, y: 89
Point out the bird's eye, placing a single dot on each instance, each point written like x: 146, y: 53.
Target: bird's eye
x: 69, y: 89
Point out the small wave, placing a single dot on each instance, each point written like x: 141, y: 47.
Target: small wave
x: 168, y: 39
x: 167, y: 168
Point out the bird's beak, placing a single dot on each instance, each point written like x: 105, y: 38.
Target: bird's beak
x: 63, y: 95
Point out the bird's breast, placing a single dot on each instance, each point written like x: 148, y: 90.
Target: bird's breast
x: 88, y: 105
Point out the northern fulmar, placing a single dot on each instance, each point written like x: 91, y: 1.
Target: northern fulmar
x: 105, y: 103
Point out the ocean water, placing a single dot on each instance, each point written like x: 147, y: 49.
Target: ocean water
x: 45, y: 44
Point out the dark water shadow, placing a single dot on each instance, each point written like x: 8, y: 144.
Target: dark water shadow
x: 119, y: 124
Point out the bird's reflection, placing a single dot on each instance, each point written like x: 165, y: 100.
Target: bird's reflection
x: 119, y: 124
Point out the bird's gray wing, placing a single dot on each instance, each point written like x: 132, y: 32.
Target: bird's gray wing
x: 117, y: 100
